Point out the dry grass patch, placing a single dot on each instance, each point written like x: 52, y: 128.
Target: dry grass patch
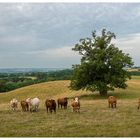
x: 95, y: 119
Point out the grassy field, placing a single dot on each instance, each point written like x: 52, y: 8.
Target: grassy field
x: 95, y: 119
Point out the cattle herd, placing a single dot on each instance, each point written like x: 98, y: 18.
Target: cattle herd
x: 50, y: 104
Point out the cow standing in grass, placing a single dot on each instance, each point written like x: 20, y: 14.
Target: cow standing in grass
x: 24, y: 105
x: 62, y: 102
x: 112, y: 102
x: 51, y: 105
x: 14, y: 104
x: 76, y: 105
x: 33, y: 104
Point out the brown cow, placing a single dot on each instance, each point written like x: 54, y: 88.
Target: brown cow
x: 112, y: 101
x: 24, y: 105
x: 62, y: 102
x: 76, y: 105
x: 51, y: 105
x: 138, y: 103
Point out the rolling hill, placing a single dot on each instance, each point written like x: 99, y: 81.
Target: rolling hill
x: 95, y: 119
x: 45, y: 90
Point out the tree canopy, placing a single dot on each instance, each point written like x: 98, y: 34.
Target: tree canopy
x: 103, y: 66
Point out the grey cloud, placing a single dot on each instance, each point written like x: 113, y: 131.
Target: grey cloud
x: 27, y: 28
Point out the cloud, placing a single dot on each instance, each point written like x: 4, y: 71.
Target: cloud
x: 60, y: 57
x: 63, y: 52
x: 130, y: 44
x: 37, y: 34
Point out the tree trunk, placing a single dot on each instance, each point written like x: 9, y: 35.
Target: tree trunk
x: 103, y: 93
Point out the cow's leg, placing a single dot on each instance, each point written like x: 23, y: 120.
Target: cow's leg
x: 36, y: 108
x: 138, y: 107
x: 58, y: 105
x: 50, y: 110
x: 55, y: 110
x: 73, y: 109
x: 109, y: 105
x: 78, y: 110
x: 27, y: 107
x: 30, y: 108
x: 115, y: 105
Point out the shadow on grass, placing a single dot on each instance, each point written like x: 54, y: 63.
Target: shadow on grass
x: 119, y: 95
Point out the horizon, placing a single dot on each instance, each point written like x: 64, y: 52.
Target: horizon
x: 37, y: 68
x: 28, y: 70
x: 48, y: 67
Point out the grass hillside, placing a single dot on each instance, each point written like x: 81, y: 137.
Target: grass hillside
x: 95, y: 119
x: 45, y: 90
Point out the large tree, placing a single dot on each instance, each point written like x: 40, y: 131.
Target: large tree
x: 102, y: 67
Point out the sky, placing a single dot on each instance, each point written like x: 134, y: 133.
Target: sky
x: 42, y: 35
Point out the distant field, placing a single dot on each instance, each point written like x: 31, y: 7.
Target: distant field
x: 31, y: 77
x: 95, y: 119
x: 136, y: 77
x: 133, y: 69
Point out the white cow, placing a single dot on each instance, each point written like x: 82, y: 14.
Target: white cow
x: 14, y: 104
x: 33, y: 104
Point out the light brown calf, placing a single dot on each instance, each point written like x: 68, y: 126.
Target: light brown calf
x: 112, y: 101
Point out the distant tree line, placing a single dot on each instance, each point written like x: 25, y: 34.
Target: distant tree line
x: 13, y: 81
x: 135, y: 73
